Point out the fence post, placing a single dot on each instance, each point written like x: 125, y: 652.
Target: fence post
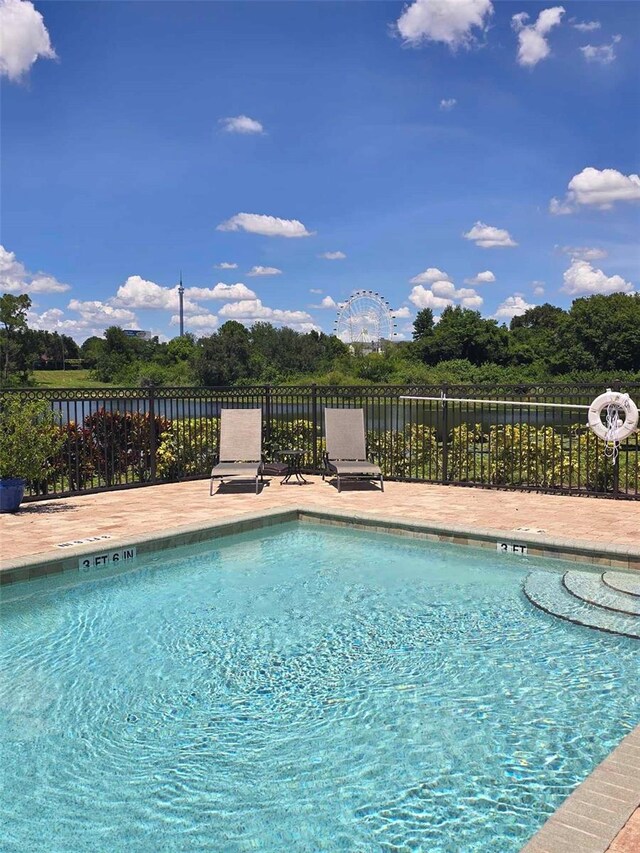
x: 267, y: 419
x: 152, y: 435
x: 445, y: 435
x: 314, y: 424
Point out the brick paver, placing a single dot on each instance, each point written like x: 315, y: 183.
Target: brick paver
x: 40, y: 526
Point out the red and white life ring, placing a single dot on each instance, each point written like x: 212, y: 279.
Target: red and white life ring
x: 615, y: 430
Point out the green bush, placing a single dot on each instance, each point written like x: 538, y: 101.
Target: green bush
x: 410, y: 453
x: 187, y: 447
x: 525, y: 455
x: 29, y: 438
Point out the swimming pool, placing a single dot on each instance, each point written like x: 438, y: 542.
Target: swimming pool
x: 303, y: 688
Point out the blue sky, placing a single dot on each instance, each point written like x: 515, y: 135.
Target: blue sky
x: 426, y: 142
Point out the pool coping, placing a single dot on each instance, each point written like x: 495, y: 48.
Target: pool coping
x: 620, y: 557
x: 589, y: 820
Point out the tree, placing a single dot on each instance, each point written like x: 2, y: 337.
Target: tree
x: 608, y: 327
x: 465, y: 334
x: 223, y: 358
x: 423, y: 324
x: 13, y: 316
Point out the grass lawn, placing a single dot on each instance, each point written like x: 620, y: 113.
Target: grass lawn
x: 66, y: 379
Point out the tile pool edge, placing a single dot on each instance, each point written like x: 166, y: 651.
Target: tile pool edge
x: 591, y: 817
x: 622, y: 557
x: 53, y: 563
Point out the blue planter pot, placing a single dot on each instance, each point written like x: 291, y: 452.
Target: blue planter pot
x: 11, y: 493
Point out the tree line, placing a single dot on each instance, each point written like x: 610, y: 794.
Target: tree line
x: 597, y: 337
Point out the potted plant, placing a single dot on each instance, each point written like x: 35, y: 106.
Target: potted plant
x: 29, y: 437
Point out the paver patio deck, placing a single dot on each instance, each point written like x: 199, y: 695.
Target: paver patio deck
x: 41, y: 527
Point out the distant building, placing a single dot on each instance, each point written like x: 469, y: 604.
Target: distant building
x: 138, y: 333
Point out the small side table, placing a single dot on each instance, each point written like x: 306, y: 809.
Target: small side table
x: 292, y: 458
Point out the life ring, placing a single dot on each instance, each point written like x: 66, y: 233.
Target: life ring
x: 615, y: 430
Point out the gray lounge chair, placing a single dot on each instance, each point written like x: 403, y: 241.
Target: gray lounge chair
x: 346, y: 457
x: 240, y: 452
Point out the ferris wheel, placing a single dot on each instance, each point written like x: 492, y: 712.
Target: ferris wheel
x: 365, y: 318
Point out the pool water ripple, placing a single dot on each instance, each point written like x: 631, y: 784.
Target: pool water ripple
x: 304, y: 689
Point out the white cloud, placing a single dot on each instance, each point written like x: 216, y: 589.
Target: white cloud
x: 538, y: 290
x: 429, y: 275
x: 604, y: 54
x: 253, y: 309
x: 488, y: 237
x: 584, y: 253
x: 581, y: 277
x: 584, y: 26
x: 513, y: 306
x: 15, y: 278
x: 451, y: 22
x: 137, y: 292
x: 401, y: 313
x: 241, y: 124
x: 203, y: 323
x: 226, y: 265
x: 443, y: 293
x: 532, y: 44
x: 486, y: 277
x: 599, y: 188
x: 24, y: 38
x: 327, y: 302
x: 422, y: 297
x: 447, y: 104
x: 333, y: 256
x: 314, y: 290
x: 264, y: 271
x: 268, y: 226
x: 97, y: 313
x: 220, y: 291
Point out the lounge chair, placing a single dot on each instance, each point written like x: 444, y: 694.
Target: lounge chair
x: 240, y: 452
x: 346, y: 456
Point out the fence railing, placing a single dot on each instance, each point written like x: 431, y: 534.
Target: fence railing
x: 116, y: 438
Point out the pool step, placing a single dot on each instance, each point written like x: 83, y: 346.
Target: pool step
x: 623, y: 582
x: 591, y: 588
x: 547, y: 591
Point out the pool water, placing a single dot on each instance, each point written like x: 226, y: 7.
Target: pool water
x: 301, y: 689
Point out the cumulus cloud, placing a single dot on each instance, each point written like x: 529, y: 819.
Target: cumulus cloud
x: 604, y: 54
x: 513, y: 306
x: 450, y: 22
x: 268, y: 226
x: 327, y: 302
x: 447, y: 104
x: 486, y: 277
x: 600, y: 188
x: 489, y: 237
x: 137, y: 292
x: 24, y: 38
x: 532, y: 44
x: 584, y: 253
x: 264, y: 271
x: 205, y: 323
x: 333, y: 256
x: 97, y: 313
x: 584, y: 26
x: 226, y: 265
x: 15, y: 278
x: 253, y: 309
x: 538, y: 289
x: 430, y: 275
x: 582, y: 277
x: 401, y: 313
x: 220, y: 291
x: 443, y: 293
x: 241, y: 124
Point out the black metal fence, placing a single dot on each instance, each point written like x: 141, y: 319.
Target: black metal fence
x: 116, y: 438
